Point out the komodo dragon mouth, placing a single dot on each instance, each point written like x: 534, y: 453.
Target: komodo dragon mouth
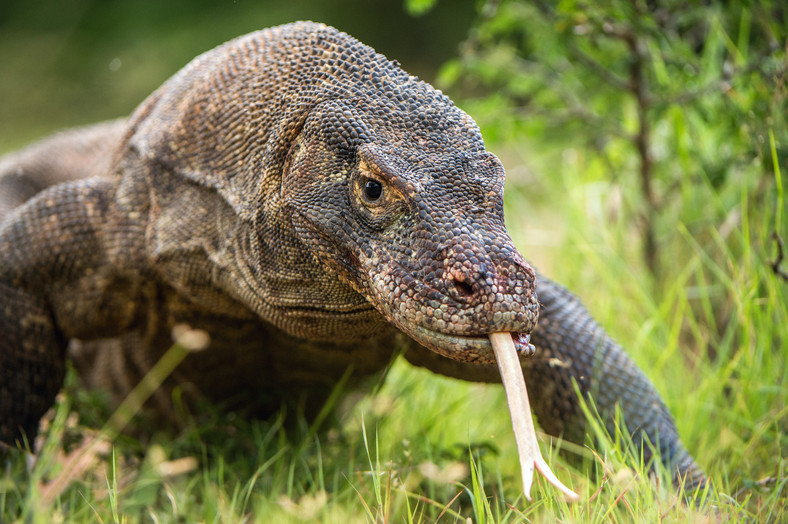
x: 471, y: 344
x: 458, y: 327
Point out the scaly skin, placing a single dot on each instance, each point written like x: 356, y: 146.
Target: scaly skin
x: 69, y: 155
x: 306, y: 202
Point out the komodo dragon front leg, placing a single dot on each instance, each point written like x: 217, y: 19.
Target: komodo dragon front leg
x: 55, y: 268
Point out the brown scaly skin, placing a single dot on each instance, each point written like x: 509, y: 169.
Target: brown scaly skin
x: 306, y: 202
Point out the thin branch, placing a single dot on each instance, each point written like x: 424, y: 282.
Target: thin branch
x: 599, y: 70
x: 778, y: 259
x: 639, y: 89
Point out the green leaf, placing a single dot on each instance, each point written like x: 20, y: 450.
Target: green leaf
x: 419, y: 7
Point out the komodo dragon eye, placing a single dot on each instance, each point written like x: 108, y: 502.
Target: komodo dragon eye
x: 372, y: 189
x: 375, y: 202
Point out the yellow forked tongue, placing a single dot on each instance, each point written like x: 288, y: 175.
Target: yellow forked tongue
x: 522, y: 421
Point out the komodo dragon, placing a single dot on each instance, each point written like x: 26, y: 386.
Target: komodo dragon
x: 306, y: 202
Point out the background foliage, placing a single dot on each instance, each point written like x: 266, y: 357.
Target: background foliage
x: 645, y: 144
x: 72, y: 62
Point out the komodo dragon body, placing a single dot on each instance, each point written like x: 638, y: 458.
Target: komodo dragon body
x: 315, y: 209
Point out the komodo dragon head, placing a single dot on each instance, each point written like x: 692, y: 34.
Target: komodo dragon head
x: 399, y: 196
x: 379, y: 176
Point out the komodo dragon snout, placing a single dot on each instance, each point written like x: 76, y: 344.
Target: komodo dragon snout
x: 419, y: 231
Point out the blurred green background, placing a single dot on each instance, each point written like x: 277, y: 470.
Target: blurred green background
x: 70, y: 62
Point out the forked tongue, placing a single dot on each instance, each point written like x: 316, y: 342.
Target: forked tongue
x: 522, y: 421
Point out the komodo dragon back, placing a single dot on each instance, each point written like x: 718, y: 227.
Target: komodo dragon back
x: 298, y: 196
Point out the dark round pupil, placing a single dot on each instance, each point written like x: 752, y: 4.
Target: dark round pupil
x: 372, y: 189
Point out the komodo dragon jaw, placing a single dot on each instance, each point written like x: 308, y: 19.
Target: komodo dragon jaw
x: 422, y: 237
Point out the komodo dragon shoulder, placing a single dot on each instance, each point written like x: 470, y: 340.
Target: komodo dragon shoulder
x: 315, y: 209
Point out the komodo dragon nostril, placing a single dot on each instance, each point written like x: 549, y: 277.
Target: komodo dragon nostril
x: 463, y: 288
